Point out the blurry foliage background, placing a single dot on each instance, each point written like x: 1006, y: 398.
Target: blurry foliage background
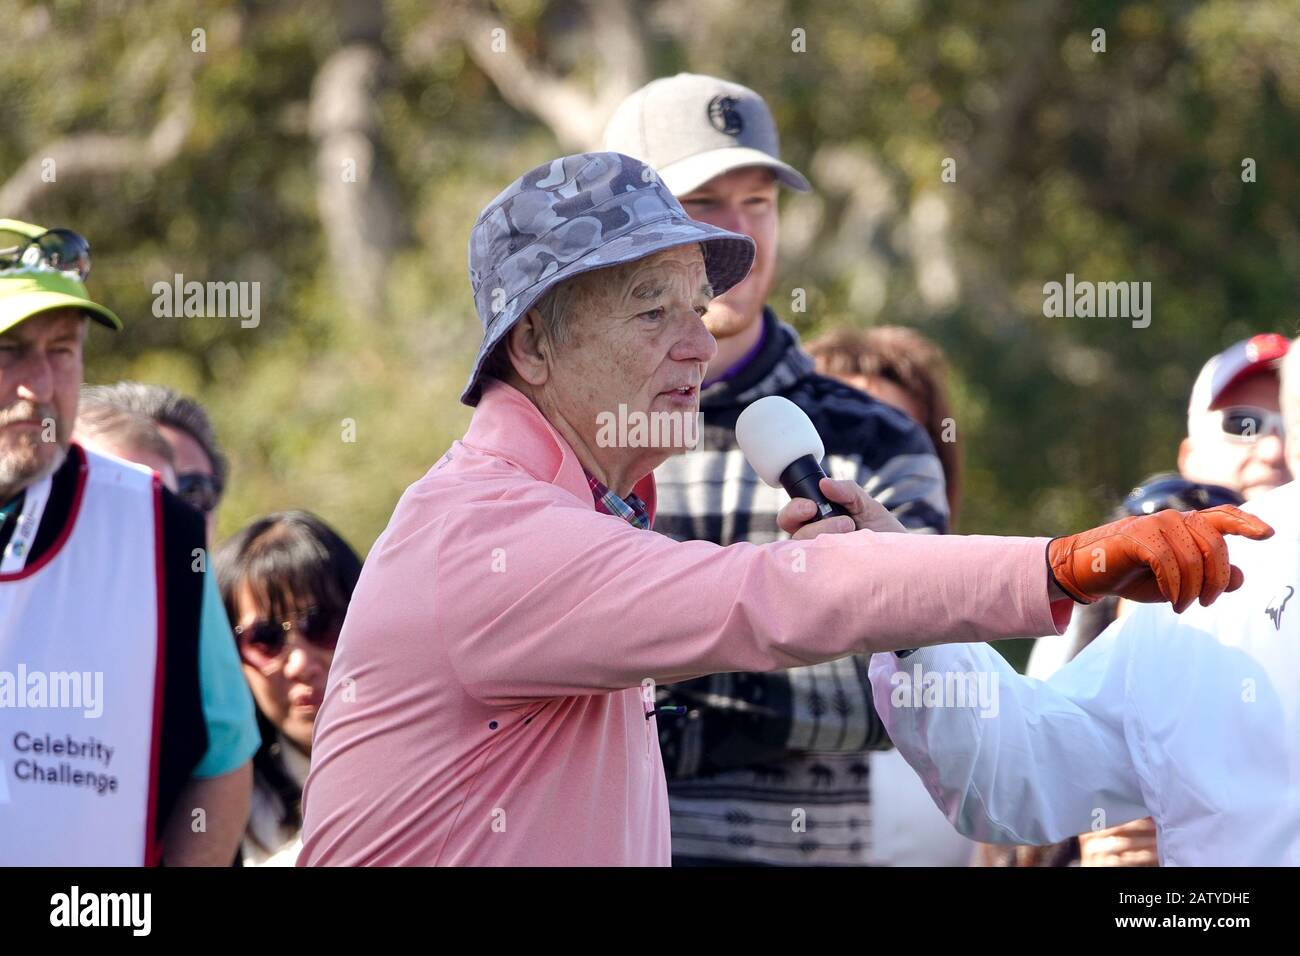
x: 227, y: 165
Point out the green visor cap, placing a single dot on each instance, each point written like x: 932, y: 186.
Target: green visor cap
x: 25, y: 294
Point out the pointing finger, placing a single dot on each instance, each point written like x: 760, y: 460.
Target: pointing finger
x: 1231, y: 520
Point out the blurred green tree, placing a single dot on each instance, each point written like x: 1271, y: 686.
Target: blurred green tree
x: 338, y: 155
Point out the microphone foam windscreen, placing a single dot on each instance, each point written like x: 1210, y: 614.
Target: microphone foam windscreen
x: 773, y: 432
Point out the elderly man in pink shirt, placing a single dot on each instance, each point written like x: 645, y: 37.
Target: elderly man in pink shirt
x: 491, y: 701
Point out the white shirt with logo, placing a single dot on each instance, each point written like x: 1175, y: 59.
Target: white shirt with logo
x: 1191, y: 719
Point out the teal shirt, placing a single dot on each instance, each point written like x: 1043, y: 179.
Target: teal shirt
x: 233, y: 736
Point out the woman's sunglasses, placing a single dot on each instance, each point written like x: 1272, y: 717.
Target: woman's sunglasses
x: 57, y: 250
x: 265, y: 643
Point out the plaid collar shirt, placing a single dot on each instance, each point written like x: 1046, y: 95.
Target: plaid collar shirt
x: 631, y: 509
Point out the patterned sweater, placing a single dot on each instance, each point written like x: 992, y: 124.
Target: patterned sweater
x: 772, y: 768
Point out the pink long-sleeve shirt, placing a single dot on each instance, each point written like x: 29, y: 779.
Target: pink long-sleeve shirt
x: 491, y: 700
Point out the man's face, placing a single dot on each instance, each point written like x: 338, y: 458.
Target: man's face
x: 636, y: 338
x: 40, y: 375
x: 1249, y: 466
x: 743, y: 201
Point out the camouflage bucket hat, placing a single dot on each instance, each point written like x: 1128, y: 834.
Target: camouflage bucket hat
x: 570, y: 216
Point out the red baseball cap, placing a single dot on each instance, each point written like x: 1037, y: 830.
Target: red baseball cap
x: 1259, y: 353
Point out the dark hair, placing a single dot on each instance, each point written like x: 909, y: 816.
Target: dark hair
x: 913, y: 363
x: 285, y: 557
x: 167, y: 407
x: 282, y: 558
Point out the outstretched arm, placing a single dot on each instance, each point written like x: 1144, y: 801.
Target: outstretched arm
x: 1009, y: 759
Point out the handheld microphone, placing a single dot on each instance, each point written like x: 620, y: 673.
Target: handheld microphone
x: 782, y: 445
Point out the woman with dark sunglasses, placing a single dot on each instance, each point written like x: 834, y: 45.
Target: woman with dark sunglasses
x: 286, y: 580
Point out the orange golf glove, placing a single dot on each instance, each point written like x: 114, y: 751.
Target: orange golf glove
x: 1168, y: 556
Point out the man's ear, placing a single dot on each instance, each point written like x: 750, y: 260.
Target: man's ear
x: 1184, y: 453
x: 529, y: 350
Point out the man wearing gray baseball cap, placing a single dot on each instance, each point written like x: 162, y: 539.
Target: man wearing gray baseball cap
x: 491, y: 700
x: 758, y: 744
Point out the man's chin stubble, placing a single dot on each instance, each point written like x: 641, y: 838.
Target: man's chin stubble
x: 19, y: 470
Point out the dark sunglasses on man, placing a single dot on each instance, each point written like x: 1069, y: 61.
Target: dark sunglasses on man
x: 199, y: 491
x: 1245, y: 423
x: 265, y: 643
x: 55, y: 250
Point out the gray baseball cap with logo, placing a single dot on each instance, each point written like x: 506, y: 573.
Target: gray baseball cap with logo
x: 570, y: 216
x: 691, y: 128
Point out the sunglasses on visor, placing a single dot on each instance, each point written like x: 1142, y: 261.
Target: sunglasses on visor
x: 56, y: 250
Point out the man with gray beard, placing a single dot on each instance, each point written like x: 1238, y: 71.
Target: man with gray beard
x: 102, y: 573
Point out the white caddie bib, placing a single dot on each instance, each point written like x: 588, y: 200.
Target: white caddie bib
x: 81, y: 632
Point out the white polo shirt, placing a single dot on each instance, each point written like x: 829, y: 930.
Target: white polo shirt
x: 1193, y: 720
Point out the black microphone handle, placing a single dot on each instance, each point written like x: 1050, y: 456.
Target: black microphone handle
x: 800, y: 480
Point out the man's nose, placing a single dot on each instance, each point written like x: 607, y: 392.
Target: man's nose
x: 696, y: 344
x: 36, y: 379
x: 731, y: 218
